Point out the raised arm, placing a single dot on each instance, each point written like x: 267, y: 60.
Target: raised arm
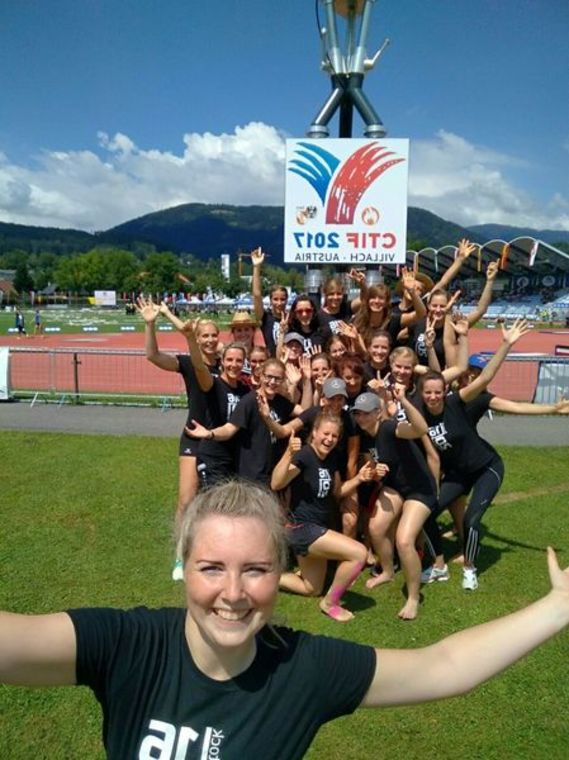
x: 359, y: 278
x: 416, y: 426
x: 257, y: 258
x: 419, y: 308
x: 460, y: 328
x: 278, y: 430
x: 486, y: 296
x: 37, y: 650
x: 510, y: 337
x: 285, y: 472
x: 465, y: 248
x: 149, y: 312
x: 464, y: 660
x: 188, y: 330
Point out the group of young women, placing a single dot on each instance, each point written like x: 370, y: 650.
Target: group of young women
x: 361, y: 416
x: 388, y: 443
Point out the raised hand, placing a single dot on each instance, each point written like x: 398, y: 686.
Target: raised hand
x: 460, y: 325
x: 367, y: 472
x: 492, y: 270
x: 293, y: 374
x: 305, y: 366
x: 348, y: 330
x: 452, y: 300
x: 430, y: 333
x: 315, y: 350
x: 147, y: 309
x: 263, y: 405
x: 559, y: 578
x: 294, y: 444
x: 516, y: 331
x: 257, y: 257
x: 465, y: 248
x: 562, y: 406
x: 408, y: 280
x: 357, y: 276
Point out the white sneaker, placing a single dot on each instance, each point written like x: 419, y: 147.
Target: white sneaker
x: 433, y: 574
x: 178, y: 571
x: 469, y: 579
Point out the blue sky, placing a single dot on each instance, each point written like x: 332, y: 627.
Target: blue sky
x: 115, y: 108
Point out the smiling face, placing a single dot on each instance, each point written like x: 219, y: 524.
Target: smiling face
x: 402, y: 369
x: 272, y: 378
x: 232, y: 363
x: 336, y: 349
x: 333, y: 300
x: 379, y: 350
x: 334, y: 404
x: 207, y: 337
x: 353, y: 381
x: 433, y: 394
x: 437, y: 307
x: 304, y: 312
x: 278, y: 299
x: 243, y: 333
x: 231, y: 577
x: 295, y: 350
x: 320, y: 367
x: 325, y: 437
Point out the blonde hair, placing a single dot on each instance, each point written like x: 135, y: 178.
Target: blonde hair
x: 235, y: 498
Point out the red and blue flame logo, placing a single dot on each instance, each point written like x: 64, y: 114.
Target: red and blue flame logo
x: 341, y: 185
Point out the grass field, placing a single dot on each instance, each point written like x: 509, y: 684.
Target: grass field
x: 87, y: 521
x: 75, y: 320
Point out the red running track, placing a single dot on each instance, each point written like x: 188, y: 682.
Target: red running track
x: 129, y: 372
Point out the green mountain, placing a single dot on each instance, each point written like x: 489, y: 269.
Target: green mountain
x: 206, y: 231
x: 504, y: 232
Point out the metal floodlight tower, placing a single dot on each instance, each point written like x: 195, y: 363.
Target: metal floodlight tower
x: 347, y: 71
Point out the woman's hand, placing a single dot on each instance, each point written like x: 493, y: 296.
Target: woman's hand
x: 197, y: 431
x: 305, y: 366
x: 357, y: 276
x: 460, y: 326
x: 559, y: 578
x: 147, y: 309
x: 492, y: 270
x: 263, y: 405
x: 367, y: 472
x: 257, y: 257
x: 465, y: 248
x: 516, y: 331
x: 294, y: 444
x: 381, y: 470
x: 293, y: 374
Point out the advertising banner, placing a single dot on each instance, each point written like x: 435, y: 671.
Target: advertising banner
x: 105, y: 298
x: 346, y: 201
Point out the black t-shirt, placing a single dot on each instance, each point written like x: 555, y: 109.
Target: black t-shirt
x: 408, y: 469
x: 331, y: 322
x: 312, y: 490
x: 221, y: 399
x: 477, y: 408
x: 256, y: 448
x: 460, y: 448
x: 270, y: 327
x: 370, y: 372
x: 417, y: 343
x: 157, y: 704
x: 197, y: 403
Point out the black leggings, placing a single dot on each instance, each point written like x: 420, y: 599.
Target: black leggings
x: 484, y: 484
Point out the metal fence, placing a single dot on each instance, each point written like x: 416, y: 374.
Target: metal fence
x: 83, y: 374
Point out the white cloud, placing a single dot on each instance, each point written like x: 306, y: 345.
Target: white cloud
x: 451, y: 177
x: 467, y: 184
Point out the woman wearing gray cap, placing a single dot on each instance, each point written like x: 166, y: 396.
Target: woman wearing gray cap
x: 408, y: 494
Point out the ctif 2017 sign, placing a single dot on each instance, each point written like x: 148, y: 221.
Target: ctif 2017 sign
x: 346, y: 201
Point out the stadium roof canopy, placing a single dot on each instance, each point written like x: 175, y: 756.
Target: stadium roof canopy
x: 520, y: 256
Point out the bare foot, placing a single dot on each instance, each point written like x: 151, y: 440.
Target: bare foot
x: 377, y: 580
x: 336, y: 612
x: 458, y: 559
x: 409, y: 610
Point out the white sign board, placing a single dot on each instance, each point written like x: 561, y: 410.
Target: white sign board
x: 346, y: 201
x: 105, y: 298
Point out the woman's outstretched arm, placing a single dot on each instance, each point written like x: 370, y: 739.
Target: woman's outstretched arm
x: 458, y: 663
